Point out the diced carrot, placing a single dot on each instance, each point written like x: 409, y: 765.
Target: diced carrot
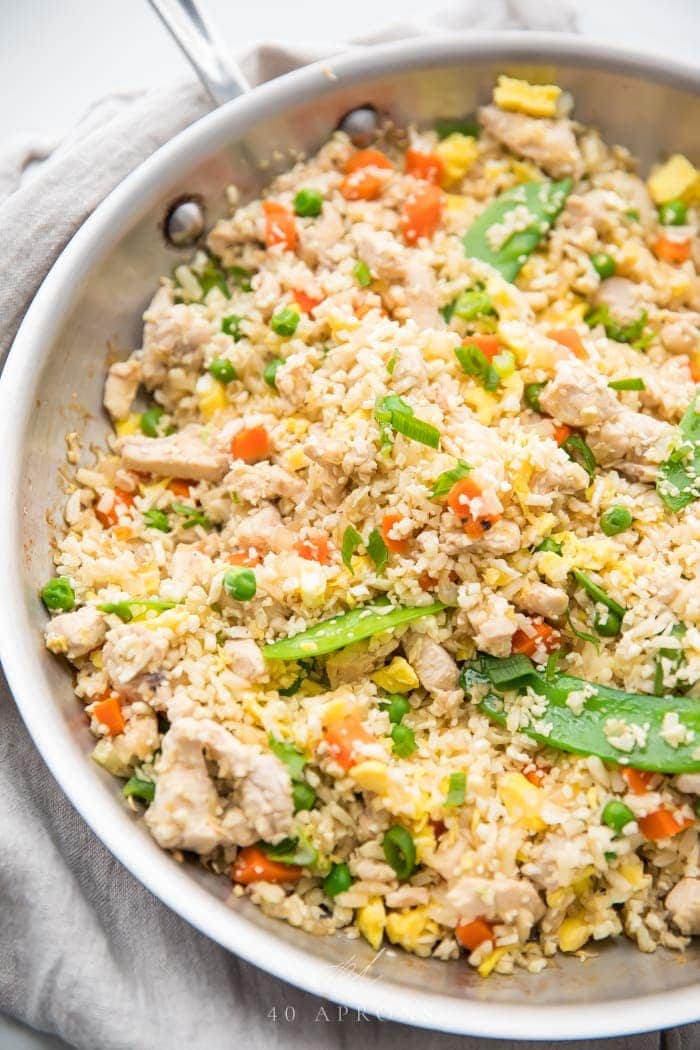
x: 367, y: 158
x: 253, y: 865
x: 460, y: 501
x: 123, y: 501
x: 314, y: 549
x: 471, y: 935
x: 421, y: 212
x: 250, y: 444
x: 490, y: 345
x: 250, y: 558
x: 638, y: 780
x: 179, y: 487
x: 535, y: 776
x: 394, y: 545
x: 427, y: 582
x: 428, y: 166
x: 280, y: 226
x: 662, y: 824
x: 561, y: 432
x: 342, y: 738
x: 305, y: 302
x: 569, y: 338
x: 361, y: 186
x: 544, y: 637
x: 671, y: 251
x: 108, y: 711
x: 694, y: 364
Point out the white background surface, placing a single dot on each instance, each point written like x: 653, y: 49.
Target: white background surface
x: 58, y: 55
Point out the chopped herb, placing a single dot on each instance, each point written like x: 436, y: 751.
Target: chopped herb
x: 156, y: 519
x: 351, y: 541
x: 580, y: 452
x: 633, y: 214
x: 284, y: 322
x: 673, y: 657
x: 378, y: 551
x: 340, y: 631
x: 270, y: 372
x: 633, y: 383
x: 240, y: 277
x: 447, y: 311
x: 403, y: 741
x: 192, y: 516
x: 540, y: 201
x: 143, y: 789
x: 293, y: 759
x: 444, y: 482
x: 620, y: 333
x: 125, y: 609
x: 222, y: 370
x: 303, y: 796
x: 457, y: 789
x: 456, y: 125
x: 212, y: 276
x: 231, y: 325
x: 474, y: 362
x: 308, y: 203
x: 678, y: 481
x: 361, y: 273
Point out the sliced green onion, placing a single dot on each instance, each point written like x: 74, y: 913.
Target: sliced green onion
x: 673, y: 213
x: 400, y: 851
x: 297, y: 851
x: 580, y: 452
x: 474, y: 362
x: 156, y: 519
x: 603, y: 264
x: 143, y: 789
x: 58, y: 594
x: 308, y: 203
x: 361, y: 273
x: 444, y: 482
x: 393, y: 413
x: 212, y: 276
x: 504, y: 364
x: 550, y: 545
x: 615, y: 520
x: 396, y: 706
x: 621, y: 333
x: 240, y: 584
x: 270, y: 371
x: 338, y: 880
x: 223, y: 370
x: 531, y: 396
x: 125, y: 609
x: 391, y: 363
x: 303, y: 796
x: 617, y: 815
x: 284, y: 322
x: 340, y: 631
x: 239, y: 276
x: 457, y: 789
x: 351, y: 541
x: 473, y: 303
x: 597, y: 594
x: 378, y: 551
x: 633, y: 383
x: 404, y: 742
x: 231, y: 325
x: 192, y: 516
x: 584, y: 636
x: 149, y: 421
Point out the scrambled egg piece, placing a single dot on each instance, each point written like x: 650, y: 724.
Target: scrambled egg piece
x: 211, y: 396
x: 522, y: 800
x: 676, y: 178
x: 536, y: 100
x: 130, y: 425
x: 398, y: 677
x: 371, y: 921
x: 487, y: 966
x: 573, y: 933
x: 407, y: 926
x: 371, y: 775
x: 457, y: 153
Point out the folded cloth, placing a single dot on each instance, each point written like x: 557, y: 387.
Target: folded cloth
x: 86, y: 952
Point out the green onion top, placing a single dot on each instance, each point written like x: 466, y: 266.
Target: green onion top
x: 633, y: 383
x: 444, y: 482
x: 474, y: 362
x: 338, y: 880
x: 378, y: 551
x: 361, y: 273
x: 125, y: 609
x: 351, y: 541
x: 394, y: 414
x: 400, y: 851
x: 457, y: 789
x: 404, y: 742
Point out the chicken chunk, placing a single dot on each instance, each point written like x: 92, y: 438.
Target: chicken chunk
x: 543, y: 600
x: 183, y: 455
x: 131, y: 649
x: 492, y: 626
x: 683, y: 902
x: 245, y: 660
x: 436, y: 670
x: 634, y: 436
x: 189, y: 813
x: 499, y: 899
x: 578, y: 396
x: 76, y: 633
x: 392, y: 262
x: 561, y: 476
x: 121, y: 387
x: 502, y: 538
x: 681, y: 336
x: 317, y: 240
x: 263, y: 530
x: 624, y: 298
x: 263, y: 481
x: 174, y: 336
x: 689, y: 783
x: 549, y: 143
x: 188, y: 568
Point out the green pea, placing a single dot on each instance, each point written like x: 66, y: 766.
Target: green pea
x: 156, y: 519
x: 308, y: 203
x: 338, y: 880
x: 303, y: 796
x: 673, y: 213
x: 58, y: 594
x: 404, y: 742
x: 607, y: 624
x: 531, y: 395
x: 361, y: 273
x: 240, y: 584
x: 150, y: 420
x: 617, y: 815
x: 397, y: 706
x: 400, y: 851
x: 270, y: 371
x: 223, y: 370
x: 603, y: 264
x: 285, y: 321
x: 231, y: 325
x: 615, y: 520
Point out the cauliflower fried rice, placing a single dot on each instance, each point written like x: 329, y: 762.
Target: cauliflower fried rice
x: 440, y: 393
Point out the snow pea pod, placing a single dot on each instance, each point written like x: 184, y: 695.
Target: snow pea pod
x: 511, y: 226
x: 678, y: 481
x: 353, y: 626
x: 638, y: 716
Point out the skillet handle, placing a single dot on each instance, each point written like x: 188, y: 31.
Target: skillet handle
x: 203, y: 47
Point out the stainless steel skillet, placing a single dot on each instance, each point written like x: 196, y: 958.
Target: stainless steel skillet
x: 52, y: 383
